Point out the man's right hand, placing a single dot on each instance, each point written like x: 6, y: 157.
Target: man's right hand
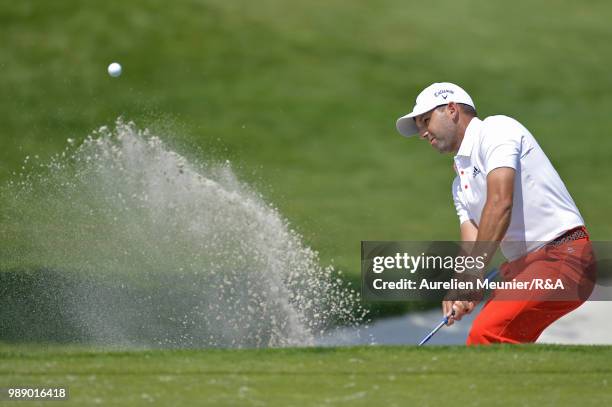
x: 455, y: 310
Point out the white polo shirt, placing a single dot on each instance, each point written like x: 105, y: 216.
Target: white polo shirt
x: 542, y: 207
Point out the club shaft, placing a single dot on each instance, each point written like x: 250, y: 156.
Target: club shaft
x: 432, y: 333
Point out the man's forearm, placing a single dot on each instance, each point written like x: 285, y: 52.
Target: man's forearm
x: 494, y: 222
x: 493, y: 225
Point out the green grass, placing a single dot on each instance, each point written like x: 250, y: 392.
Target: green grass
x: 303, y: 97
x: 531, y: 375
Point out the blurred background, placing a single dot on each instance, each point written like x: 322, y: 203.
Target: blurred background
x: 302, y: 97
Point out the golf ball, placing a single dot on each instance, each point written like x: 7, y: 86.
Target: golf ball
x: 114, y: 69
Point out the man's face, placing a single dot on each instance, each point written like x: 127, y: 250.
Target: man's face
x: 438, y: 127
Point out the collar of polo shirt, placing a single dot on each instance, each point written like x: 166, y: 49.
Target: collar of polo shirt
x: 467, y: 144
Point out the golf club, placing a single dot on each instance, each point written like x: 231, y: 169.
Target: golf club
x: 492, y: 274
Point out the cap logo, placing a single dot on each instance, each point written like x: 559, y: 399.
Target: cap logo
x: 443, y: 93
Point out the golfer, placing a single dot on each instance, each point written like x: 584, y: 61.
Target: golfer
x: 506, y: 192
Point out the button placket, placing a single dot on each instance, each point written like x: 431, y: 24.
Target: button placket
x: 462, y: 177
x: 466, y: 185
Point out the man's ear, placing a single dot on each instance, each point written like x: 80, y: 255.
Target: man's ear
x: 453, y: 109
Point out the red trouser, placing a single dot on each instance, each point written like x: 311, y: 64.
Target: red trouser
x: 523, y: 320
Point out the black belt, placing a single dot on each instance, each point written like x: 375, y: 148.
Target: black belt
x: 573, y: 234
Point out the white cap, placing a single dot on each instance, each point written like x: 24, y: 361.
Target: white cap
x: 434, y: 95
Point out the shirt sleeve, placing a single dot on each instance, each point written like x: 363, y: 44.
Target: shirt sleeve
x: 501, y: 145
x: 460, y: 207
